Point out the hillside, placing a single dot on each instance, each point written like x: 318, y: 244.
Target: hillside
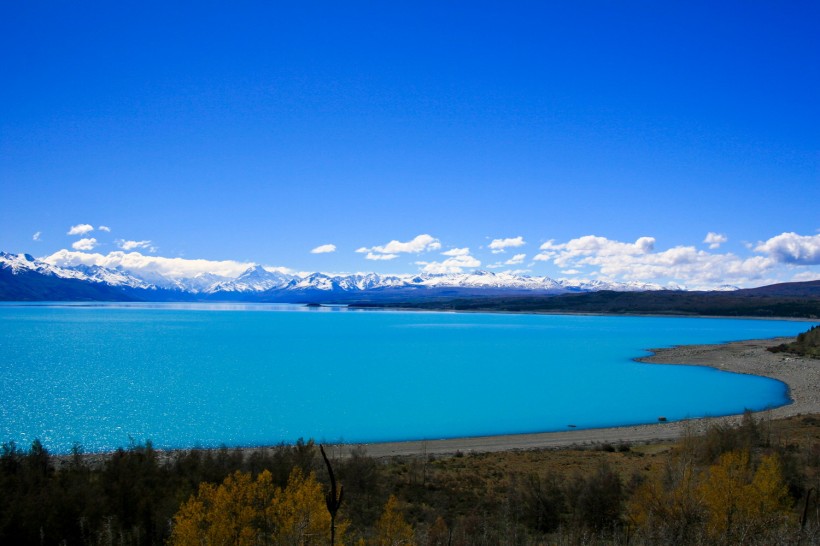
x: 794, y: 300
x: 32, y: 286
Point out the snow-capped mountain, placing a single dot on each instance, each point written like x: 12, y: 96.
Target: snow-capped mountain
x: 272, y: 285
x: 726, y: 288
x: 253, y: 279
x: 25, y: 263
x: 111, y: 277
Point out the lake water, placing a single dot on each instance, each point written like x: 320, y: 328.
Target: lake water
x: 243, y: 375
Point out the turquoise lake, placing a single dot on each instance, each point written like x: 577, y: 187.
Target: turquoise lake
x: 241, y: 375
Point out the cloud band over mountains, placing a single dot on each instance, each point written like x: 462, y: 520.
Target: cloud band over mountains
x: 788, y: 256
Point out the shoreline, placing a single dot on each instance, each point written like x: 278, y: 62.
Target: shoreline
x: 800, y: 375
x: 571, y: 313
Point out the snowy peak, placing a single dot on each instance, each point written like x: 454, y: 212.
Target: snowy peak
x: 725, y: 288
x: 111, y: 277
x: 25, y: 263
x: 253, y: 279
x: 19, y: 263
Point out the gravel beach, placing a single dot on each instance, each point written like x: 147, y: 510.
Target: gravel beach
x: 802, y: 375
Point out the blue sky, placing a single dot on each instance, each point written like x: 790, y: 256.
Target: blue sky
x: 610, y: 137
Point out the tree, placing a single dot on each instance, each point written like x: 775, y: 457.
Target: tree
x: 597, y: 499
x: 333, y: 499
x: 667, y: 508
x: 243, y: 511
x: 742, y: 503
x: 392, y: 529
x: 544, y: 502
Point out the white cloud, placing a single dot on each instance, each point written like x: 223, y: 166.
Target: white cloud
x: 286, y: 271
x: 175, y: 268
x: 323, y: 249
x: 591, y: 245
x: 638, y: 261
x: 80, y: 229
x: 499, y: 245
x: 791, y: 248
x: 372, y: 256
x: 457, y: 252
x: 85, y: 244
x: 807, y: 276
x: 421, y: 243
x: 36, y: 236
x: 516, y: 260
x: 714, y: 240
x: 132, y: 245
x: 104, y: 228
x: 454, y: 264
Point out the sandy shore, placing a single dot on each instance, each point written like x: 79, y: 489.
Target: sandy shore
x: 802, y: 375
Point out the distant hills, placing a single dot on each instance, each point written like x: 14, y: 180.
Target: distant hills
x: 787, y: 300
x: 25, y: 278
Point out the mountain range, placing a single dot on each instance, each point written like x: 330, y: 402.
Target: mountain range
x: 25, y: 278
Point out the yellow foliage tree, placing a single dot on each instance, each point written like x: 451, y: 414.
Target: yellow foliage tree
x: 742, y: 503
x: 246, y: 512
x: 224, y: 514
x: 668, y: 507
x: 769, y: 499
x: 299, y: 514
x: 392, y: 529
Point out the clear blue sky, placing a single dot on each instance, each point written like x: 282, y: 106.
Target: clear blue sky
x: 259, y: 131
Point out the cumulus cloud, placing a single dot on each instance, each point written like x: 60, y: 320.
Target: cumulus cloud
x: 104, y: 228
x: 421, y: 243
x: 516, y: 260
x: 500, y: 245
x: 80, y: 229
x: 714, y: 240
x: 453, y: 264
x: 456, y: 252
x: 174, y: 268
x: 36, y: 236
x: 323, y: 249
x: 590, y: 245
x: 85, y: 244
x: 374, y: 256
x: 638, y: 261
x: 791, y: 248
x: 132, y: 245
x: 807, y: 276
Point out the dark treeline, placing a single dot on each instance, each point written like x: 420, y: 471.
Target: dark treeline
x: 663, y: 302
x: 752, y: 484
x: 128, y: 498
